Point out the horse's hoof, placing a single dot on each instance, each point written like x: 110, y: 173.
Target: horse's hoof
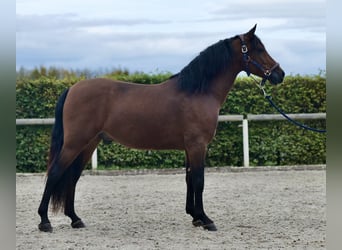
x: 209, y: 227
x: 78, y: 224
x: 197, y: 223
x: 45, y: 227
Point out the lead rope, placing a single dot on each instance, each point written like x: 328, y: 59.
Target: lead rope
x: 269, y: 99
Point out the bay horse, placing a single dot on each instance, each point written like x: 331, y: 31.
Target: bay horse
x: 180, y: 113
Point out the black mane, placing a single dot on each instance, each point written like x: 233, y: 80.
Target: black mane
x: 197, y: 75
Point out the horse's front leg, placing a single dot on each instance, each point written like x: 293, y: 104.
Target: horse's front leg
x: 190, y: 201
x: 200, y: 218
x: 195, y: 187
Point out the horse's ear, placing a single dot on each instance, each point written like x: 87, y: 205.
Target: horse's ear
x: 250, y: 33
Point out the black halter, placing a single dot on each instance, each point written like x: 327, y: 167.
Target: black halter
x: 267, y: 72
x: 247, y: 59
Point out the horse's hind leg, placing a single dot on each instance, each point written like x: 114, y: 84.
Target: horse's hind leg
x: 76, y: 168
x: 56, y: 187
x: 69, y: 210
x: 63, y: 174
x: 52, y: 179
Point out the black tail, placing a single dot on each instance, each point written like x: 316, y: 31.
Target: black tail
x: 57, y: 131
x: 59, y: 175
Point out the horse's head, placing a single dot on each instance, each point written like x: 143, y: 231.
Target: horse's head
x: 256, y: 60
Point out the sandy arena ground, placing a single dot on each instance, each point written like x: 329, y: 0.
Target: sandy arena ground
x: 252, y: 210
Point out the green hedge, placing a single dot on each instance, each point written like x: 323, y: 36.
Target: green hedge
x: 271, y: 143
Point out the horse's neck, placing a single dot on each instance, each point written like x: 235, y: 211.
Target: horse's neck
x: 222, y: 85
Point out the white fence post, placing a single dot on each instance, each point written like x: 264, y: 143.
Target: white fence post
x: 245, y: 142
x: 94, y: 160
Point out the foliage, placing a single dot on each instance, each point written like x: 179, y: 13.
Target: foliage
x: 37, y: 98
x: 32, y: 148
x: 271, y: 143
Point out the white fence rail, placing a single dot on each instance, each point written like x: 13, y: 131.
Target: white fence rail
x: 221, y: 118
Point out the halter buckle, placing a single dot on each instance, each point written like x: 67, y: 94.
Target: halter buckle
x: 244, y: 49
x: 267, y: 72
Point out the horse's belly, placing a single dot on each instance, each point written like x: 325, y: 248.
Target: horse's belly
x: 144, y: 137
x: 150, y: 143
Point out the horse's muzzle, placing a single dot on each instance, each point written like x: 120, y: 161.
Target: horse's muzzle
x: 277, y: 76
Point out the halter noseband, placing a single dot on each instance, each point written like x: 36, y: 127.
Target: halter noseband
x: 247, y: 59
